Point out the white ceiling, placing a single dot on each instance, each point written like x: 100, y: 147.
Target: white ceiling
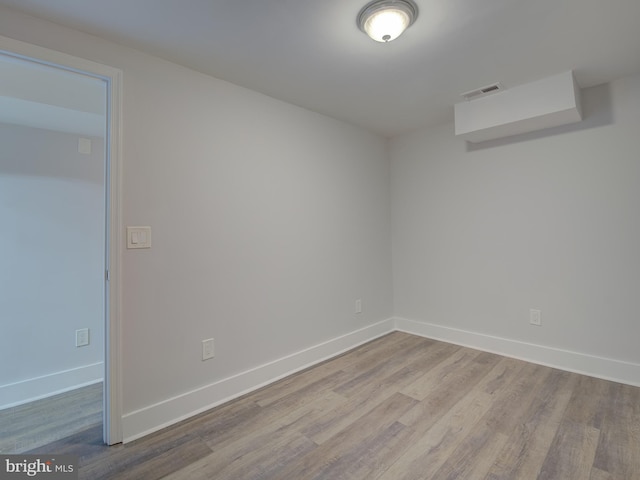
x: 312, y: 54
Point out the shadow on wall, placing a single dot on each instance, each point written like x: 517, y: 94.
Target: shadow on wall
x: 597, y: 110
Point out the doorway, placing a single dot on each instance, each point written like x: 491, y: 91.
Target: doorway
x: 59, y: 193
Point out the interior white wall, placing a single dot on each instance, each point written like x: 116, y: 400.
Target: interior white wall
x: 268, y: 221
x: 548, y: 220
x: 52, y: 244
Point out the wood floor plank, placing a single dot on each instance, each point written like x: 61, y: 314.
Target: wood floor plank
x: 242, y: 446
x: 573, y: 449
x: 223, y: 419
x: 282, y: 388
x: 431, y: 450
x: 161, y: 465
x: 588, y: 403
x: 219, y: 432
x: 455, y: 385
x: 597, y: 474
x: 353, y: 359
x: 28, y: 426
x: 424, y: 385
x: 87, y: 445
x: 529, y: 443
x: 391, y: 364
x: 572, y: 452
x: 379, y: 352
x: 618, y: 451
x: 344, y: 416
x: 413, y: 367
x: 443, y: 424
x: 359, y: 437
x: 512, y: 392
x: 263, y: 462
x: 473, y: 457
x: 119, y: 459
x: 514, y: 399
x: 372, y: 461
x: 372, y: 393
x: 309, y: 383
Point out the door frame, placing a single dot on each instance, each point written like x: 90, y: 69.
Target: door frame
x: 112, y: 410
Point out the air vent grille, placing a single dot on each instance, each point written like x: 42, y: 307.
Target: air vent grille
x: 481, y: 92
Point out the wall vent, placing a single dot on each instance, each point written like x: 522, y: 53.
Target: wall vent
x: 481, y: 92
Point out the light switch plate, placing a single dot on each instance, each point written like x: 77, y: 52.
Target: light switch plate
x: 138, y: 237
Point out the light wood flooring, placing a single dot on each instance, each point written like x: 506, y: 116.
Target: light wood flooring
x: 400, y: 407
x: 38, y: 423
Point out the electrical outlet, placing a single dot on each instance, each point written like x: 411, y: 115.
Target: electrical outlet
x: 207, y: 349
x: 534, y: 318
x: 82, y: 337
x: 358, y: 306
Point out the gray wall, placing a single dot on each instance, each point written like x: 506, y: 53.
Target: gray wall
x: 482, y: 233
x: 52, y: 244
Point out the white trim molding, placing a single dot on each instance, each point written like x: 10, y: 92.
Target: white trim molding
x: 31, y: 389
x: 591, y: 365
x: 163, y: 414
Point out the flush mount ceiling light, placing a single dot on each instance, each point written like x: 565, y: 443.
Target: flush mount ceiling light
x: 385, y: 20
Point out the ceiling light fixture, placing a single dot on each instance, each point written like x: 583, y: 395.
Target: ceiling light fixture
x: 385, y: 20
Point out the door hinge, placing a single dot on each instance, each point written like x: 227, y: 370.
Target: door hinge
x: 107, y: 276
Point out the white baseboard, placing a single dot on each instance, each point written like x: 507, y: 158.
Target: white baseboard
x: 160, y: 415
x: 25, y: 391
x: 593, y: 366
x: 173, y: 410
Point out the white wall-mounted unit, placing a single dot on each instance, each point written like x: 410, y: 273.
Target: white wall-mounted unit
x: 549, y: 102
